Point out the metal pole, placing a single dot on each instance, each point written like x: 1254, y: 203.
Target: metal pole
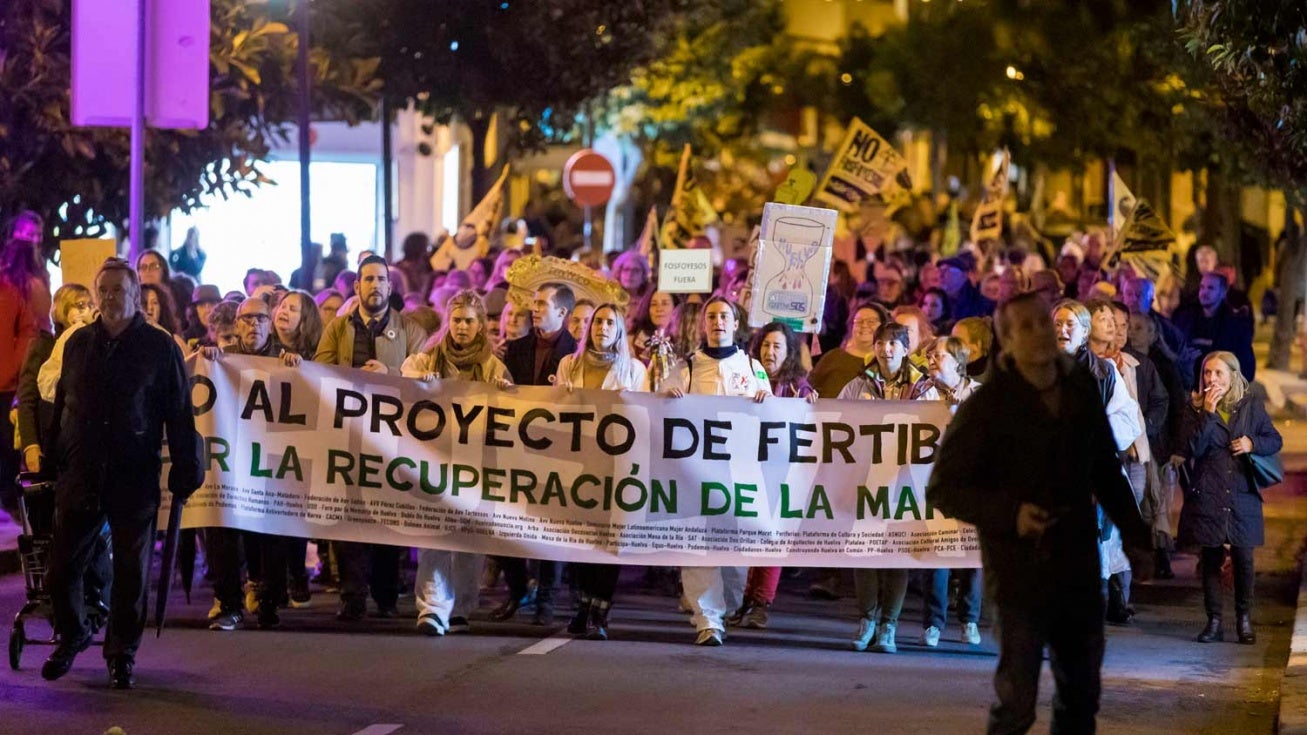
x: 588, y: 230
x: 136, y: 171
x: 387, y: 180
x: 307, y: 257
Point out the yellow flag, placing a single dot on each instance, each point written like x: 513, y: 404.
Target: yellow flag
x: 485, y: 215
x: 649, y: 235
x: 690, y: 213
x: 865, y: 164
x: 987, y: 224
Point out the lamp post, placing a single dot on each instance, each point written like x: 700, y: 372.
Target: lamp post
x: 307, y: 257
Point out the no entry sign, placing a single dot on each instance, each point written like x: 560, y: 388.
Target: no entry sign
x: 588, y: 178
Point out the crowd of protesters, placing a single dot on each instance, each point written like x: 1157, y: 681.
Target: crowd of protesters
x: 1170, y: 360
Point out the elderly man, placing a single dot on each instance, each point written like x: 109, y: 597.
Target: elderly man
x: 375, y: 338
x: 122, y: 387
x: 1034, y: 512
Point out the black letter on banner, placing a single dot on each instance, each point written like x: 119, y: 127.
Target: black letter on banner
x: 833, y: 445
x: 369, y: 467
x: 670, y: 425
x: 601, y: 434
x: 535, y: 443
x: 425, y: 435
x: 206, y: 405
x: 575, y: 420
x: 493, y: 427
x: 765, y: 439
x: 389, y: 418
x: 464, y: 422
x: 286, y: 417
x: 796, y: 443
x: 342, y: 412
x: 875, y: 430
x: 924, y: 437
x: 712, y: 439
x: 257, y: 400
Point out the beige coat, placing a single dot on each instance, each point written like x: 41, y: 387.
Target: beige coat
x: 402, y: 338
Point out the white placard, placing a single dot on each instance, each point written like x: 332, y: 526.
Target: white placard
x: 685, y: 271
x: 791, y: 266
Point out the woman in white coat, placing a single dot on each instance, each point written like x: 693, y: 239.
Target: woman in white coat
x: 602, y: 361
x: 448, y: 582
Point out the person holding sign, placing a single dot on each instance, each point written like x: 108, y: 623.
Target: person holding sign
x: 448, y: 582
x: 892, y: 377
x: 603, y: 361
x: 1034, y: 512
x: 718, y: 368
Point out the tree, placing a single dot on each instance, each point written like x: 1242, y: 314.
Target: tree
x: 1258, y: 59
x: 536, y: 64
x: 77, y: 177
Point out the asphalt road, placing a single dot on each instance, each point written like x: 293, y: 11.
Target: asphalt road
x: 318, y: 676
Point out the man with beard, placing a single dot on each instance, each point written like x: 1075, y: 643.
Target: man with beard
x: 375, y: 338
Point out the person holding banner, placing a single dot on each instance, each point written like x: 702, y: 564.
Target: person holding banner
x: 533, y: 360
x: 892, y: 377
x: 375, y: 338
x: 1034, y: 512
x: 777, y: 347
x: 718, y: 368
x: 122, y: 387
x: 448, y: 582
x: 603, y: 361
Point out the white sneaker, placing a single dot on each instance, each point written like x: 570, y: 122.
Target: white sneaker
x: 971, y: 634
x: 866, y: 631
x: 930, y: 637
x: 885, y: 642
x: 709, y: 637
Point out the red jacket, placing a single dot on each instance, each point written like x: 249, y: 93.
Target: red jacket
x: 17, y: 330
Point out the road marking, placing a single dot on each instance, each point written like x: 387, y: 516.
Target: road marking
x: 545, y: 646
x: 378, y: 730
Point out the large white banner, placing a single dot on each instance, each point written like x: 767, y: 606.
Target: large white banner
x: 591, y: 476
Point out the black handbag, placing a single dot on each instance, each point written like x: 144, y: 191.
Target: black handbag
x: 1266, y: 470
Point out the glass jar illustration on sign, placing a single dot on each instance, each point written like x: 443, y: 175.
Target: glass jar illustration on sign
x: 790, y: 292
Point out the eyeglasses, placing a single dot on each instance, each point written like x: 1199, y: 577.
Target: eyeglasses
x: 254, y: 318
x: 149, y: 267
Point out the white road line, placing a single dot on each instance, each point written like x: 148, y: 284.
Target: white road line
x: 378, y: 730
x: 545, y: 646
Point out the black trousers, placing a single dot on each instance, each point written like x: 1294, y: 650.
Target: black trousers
x: 1071, y: 626
x: 272, y: 557
x: 368, y: 567
x: 9, y: 457
x: 1212, y: 559
x: 518, y: 576
x: 224, y: 547
x: 597, y: 581
x: 76, y: 533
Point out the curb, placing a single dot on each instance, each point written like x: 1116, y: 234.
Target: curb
x: 1293, y: 687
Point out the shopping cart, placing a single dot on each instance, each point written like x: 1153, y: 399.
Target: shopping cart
x: 36, y: 514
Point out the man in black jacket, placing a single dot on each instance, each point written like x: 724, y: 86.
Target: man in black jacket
x: 1034, y: 513
x: 123, y: 385
x: 1213, y: 324
x: 533, y: 360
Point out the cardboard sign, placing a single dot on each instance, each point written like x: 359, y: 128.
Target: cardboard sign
x: 685, y: 271
x: 792, y: 265
x: 865, y: 164
x: 80, y: 260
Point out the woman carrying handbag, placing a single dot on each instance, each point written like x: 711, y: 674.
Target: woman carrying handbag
x: 1231, y: 444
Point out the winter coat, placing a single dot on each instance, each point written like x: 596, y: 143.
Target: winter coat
x: 34, y: 415
x: 1222, y: 504
x: 401, y: 338
x: 1229, y: 329
x: 520, y: 358
x: 115, y: 400
x: 1004, y: 448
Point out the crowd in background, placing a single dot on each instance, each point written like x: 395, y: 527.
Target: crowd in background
x: 900, y: 323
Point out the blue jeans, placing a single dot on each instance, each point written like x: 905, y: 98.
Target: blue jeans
x: 936, y: 597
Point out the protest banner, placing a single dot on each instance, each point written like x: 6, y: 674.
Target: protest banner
x: 1141, y: 239
x: 685, y: 271
x: 791, y: 265
x: 865, y: 164
x: 326, y: 452
x: 987, y: 223
x: 690, y: 212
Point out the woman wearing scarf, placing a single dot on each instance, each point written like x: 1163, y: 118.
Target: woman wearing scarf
x: 603, y: 361
x: 448, y: 582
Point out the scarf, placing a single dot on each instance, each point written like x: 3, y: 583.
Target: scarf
x: 469, y: 360
x: 719, y: 353
x: 599, y: 360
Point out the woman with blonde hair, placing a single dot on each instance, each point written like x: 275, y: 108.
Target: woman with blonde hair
x: 602, y: 361
x: 448, y: 582
x: 1225, y: 429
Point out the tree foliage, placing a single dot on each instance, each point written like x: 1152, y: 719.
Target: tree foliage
x: 77, y: 177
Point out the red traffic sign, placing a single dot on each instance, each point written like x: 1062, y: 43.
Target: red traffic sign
x: 588, y: 178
